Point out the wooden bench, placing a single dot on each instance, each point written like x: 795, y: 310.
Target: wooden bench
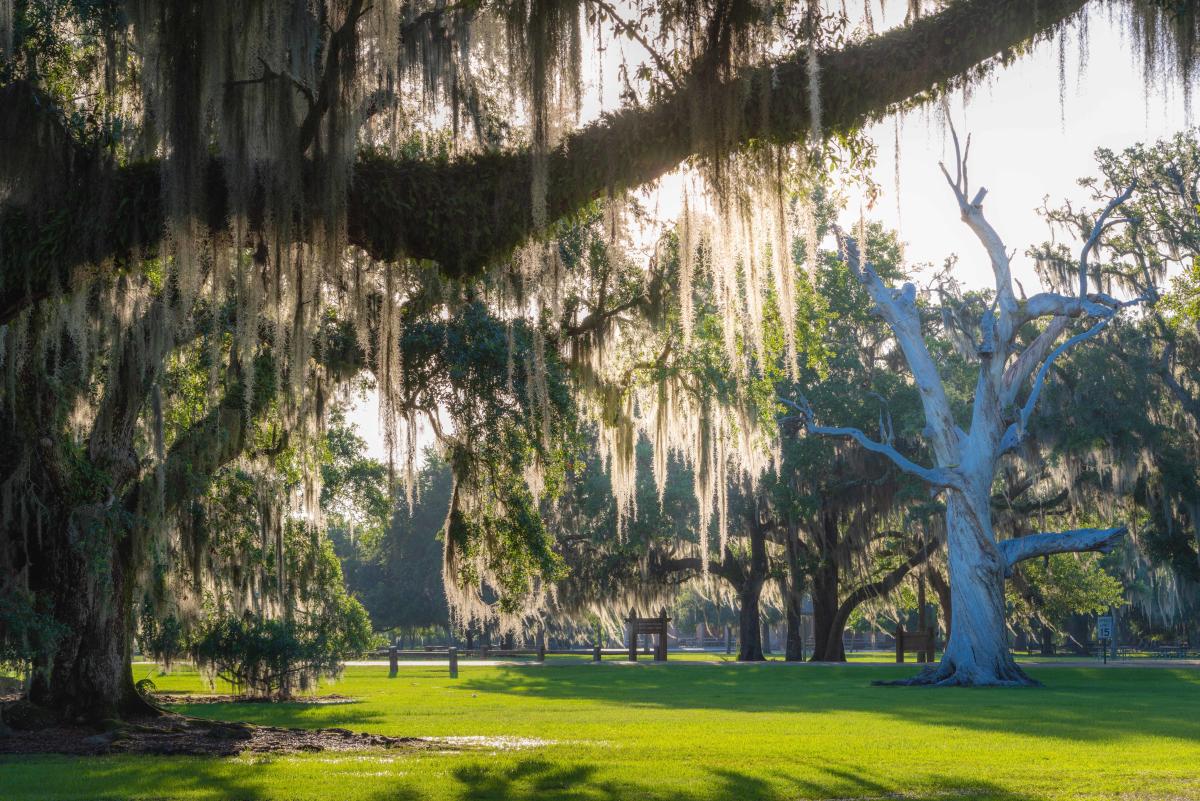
x: 638, y: 626
x: 924, y: 643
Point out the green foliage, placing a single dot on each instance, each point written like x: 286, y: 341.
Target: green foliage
x: 1121, y: 419
x: 165, y: 640
x: 852, y: 377
x: 26, y: 630
x: 1184, y: 300
x: 354, y: 488
x: 1065, y: 585
x: 396, y: 570
x: 268, y: 657
x: 514, y: 416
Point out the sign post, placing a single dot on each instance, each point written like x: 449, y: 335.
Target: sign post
x: 1104, y: 633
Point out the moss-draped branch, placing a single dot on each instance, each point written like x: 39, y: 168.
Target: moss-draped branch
x: 467, y: 213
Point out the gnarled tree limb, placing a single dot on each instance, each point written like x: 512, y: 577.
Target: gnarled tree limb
x: 1016, y: 431
x: 898, y: 308
x: 877, y: 589
x: 1077, y: 540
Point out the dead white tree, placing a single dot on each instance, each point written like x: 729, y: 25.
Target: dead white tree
x: 1009, y: 384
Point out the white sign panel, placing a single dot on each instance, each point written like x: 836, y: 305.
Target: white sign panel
x: 1104, y: 627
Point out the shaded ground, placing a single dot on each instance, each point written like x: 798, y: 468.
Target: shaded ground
x: 32, y: 733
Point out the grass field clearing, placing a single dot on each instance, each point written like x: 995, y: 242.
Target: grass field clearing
x: 688, y: 732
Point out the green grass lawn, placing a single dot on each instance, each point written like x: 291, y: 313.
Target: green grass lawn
x: 689, y: 732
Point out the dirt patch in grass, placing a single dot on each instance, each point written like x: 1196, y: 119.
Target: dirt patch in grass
x: 34, y: 731
x: 170, y: 734
x: 216, y: 698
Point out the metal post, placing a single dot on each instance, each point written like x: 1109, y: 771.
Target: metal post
x: 393, y: 661
x: 660, y: 649
x: 454, y: 663
x: 921, y: 656
x: 803, y: 635
x: 728, y: 640
x: 1116, y: 630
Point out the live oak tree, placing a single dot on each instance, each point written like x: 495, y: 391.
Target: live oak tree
x: 1134, y: 444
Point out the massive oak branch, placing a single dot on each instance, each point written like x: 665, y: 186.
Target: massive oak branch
x: 467, y: 213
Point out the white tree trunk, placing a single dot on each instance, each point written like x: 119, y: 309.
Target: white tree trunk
x: 978, y: 652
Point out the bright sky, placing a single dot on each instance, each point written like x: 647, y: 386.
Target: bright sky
x: 1026, y: 145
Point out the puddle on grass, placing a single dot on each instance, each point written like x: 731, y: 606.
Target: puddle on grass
x: 478, y: 742
x: 440, y: 746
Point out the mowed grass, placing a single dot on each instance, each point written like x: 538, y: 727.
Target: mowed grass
x: 688, y: 731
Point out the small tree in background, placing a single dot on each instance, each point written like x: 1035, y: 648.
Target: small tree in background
x: 272, y: 658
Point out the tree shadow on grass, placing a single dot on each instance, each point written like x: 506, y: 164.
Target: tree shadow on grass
x: 536, y: 779
x: 118, y: 778
x: 1078, y: 703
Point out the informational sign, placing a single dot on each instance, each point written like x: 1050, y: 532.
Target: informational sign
x: 1104, y: 627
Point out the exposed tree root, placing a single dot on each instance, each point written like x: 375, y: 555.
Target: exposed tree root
x: 949, y: 674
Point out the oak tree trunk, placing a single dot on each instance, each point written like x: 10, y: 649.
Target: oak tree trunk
x: 826, y: 589
x: 86, y: 575
x: 793, y: 584
x: 942, y: 588
x: 1047, y: 640
x: 794, y: 648
x: 749, y: 629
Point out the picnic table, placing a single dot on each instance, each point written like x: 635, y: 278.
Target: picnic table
x: 1173, y: 651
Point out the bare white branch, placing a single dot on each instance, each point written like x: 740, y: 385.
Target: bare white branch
x: 972, y: 214
x: 1052, y: 304
x: 1077, y: 540
x: 1020, y: 370
x: 899, y: 309
x: 1016, y: 431
x: 936, y: 476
